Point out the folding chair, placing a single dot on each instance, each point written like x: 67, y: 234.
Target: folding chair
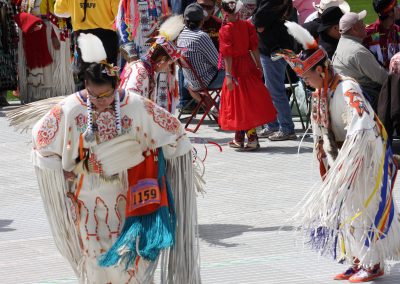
x: 208, y: 99
x: 291, y: 86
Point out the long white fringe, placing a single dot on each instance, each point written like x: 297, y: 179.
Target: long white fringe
x: 181, y: 265
x: 53, y: 189
x: 345, y: 189
x: 26, y: 116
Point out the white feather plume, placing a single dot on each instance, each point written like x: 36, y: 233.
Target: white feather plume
x: 92, y: 48
x: 172, y: 27
x: 301, y: 35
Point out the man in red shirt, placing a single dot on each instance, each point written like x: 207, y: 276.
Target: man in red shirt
x: 383, y: 38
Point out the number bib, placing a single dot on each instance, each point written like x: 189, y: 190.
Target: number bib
x: 147, y: 192
x: 144, y: 197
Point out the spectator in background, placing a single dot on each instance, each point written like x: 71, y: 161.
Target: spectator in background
x: 354, y: 60
x: 201, y: 52
x: 178, y: 6
x: 328, y: 30
x: 313, y: 22
x: 397, y: 15
x: 95, y: 17
x: 304, y: 8
x: 8, y: 51
x: 383, y: 35
x: 212, y: 24
x: 269, y: 19
x: 394, y: 66
x: 388, y: 108
x: 248, y: 9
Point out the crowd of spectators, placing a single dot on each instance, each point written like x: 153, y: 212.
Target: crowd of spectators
x: 358, y: 51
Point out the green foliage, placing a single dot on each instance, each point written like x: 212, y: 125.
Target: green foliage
x: 10, y: 97
x: 359, y: 5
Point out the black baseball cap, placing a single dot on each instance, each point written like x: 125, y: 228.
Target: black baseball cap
x: 194, y: 13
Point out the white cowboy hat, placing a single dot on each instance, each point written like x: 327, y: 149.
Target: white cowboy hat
x: 325, y: 4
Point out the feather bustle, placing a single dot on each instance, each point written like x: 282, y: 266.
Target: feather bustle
x: 172, y: 27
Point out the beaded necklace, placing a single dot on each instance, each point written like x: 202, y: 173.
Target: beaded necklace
x: 91, y: 129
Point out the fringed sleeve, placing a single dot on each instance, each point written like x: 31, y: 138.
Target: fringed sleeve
x: 180, y: 264
x: 353, y: 214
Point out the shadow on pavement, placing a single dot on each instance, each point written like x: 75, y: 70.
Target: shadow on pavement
x: 214, y: 234
x: 4, y: 224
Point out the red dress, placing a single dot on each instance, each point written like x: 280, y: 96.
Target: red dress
x: 249, y: 104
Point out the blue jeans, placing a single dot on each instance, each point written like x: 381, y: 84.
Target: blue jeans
x: 176, y: 6
x: 179, y: 6
x: 218, y: 80
x: 274, y: 75
x: 184, y: 95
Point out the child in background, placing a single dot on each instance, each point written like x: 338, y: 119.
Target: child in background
x: 245, y: 101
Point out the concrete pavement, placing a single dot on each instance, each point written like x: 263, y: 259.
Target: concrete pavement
x: 249, y: 198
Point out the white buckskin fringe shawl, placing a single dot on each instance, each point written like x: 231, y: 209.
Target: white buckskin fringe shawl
x: 340, y: 218
x: 53, y: 189
x: 353, y: 213
x: 181, y: 264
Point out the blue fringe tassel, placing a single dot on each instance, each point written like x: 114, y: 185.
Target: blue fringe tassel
x: 319, y: 239
x: 155, y: 231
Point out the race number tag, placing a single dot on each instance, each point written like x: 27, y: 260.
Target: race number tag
x: 146, y: 193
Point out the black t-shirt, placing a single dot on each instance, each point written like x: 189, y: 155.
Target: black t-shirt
x: 271, y: 15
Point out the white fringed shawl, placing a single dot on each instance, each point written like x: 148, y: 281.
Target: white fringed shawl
x: 154, y: 128
x: 53, y: 189
x: 338, y: 218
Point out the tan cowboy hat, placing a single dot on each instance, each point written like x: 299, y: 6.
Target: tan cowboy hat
x: 325, y: 4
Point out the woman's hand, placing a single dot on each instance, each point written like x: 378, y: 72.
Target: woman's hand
x: 260, y: 30
x: 69, y: 176
x: 229, y: 83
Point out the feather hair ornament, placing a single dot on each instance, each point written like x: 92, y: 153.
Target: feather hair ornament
x: 301, y: 35
x: 92, y: 48
x: 172, y: 27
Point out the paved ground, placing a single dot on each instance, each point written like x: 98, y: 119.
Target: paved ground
x: 249, y: 198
